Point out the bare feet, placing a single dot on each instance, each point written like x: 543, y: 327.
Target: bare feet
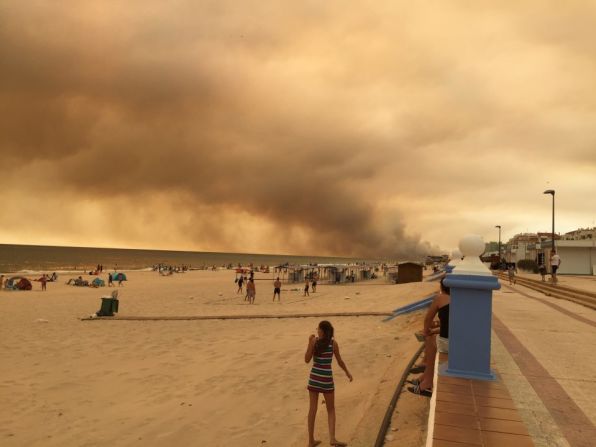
x: 314, y: 443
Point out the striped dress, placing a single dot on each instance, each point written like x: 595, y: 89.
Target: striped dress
x: 321, y: 376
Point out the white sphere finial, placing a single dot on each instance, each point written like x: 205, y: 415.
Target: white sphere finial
x: 472, y: 246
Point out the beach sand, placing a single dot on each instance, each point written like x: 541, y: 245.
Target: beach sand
x: 67, y: 382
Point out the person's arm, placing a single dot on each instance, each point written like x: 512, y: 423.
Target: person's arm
x: 430, y: 316
x: 435, y: 327
x: 340, y: 361
x: 310, y: 348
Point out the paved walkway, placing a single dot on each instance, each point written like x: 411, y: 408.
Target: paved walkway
x: 476, y: 413
x: 544, y: 349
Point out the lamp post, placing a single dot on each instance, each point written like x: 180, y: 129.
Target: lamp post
x: 552, y: 193
x: 499, y: 227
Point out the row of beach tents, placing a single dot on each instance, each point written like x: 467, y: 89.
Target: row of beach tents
x: 97, y: 282
x: 22, y: 283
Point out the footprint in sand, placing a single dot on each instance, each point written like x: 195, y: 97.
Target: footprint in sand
x: 164, y: 434
x: 257, y: 419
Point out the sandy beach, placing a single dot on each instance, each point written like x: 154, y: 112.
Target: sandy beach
x: 67, y: 382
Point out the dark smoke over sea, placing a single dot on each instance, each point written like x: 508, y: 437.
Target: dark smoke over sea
x: 267, y: 126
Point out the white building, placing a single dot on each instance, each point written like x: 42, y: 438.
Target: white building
x: 524, y: 246
x: 578, y: 257
x: 580, y: 234
x: 577, y: 250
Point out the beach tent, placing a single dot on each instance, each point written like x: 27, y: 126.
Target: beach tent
x: 19, y: 283
x: 116, y: 277
x: 98, y: 282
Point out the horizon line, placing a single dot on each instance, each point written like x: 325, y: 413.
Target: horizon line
x: 188, y: 251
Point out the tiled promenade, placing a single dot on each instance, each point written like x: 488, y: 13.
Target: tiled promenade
x: 544, y: 352
x: 476, y: 413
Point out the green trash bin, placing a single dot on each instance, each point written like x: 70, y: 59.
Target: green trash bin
x: 109, y: 306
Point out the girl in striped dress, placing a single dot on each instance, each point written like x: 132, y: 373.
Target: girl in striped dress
x: 322, y: 349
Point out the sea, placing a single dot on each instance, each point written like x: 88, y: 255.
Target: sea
x: 40, y: 258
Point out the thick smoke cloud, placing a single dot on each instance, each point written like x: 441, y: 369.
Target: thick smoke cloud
x: 282, y: 127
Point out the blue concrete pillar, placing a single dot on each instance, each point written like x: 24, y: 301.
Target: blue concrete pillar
x: 470, y: 318
x: 470, y: 313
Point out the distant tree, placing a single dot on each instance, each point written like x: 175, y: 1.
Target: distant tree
x: 528, y: 265
x: 492, y: 246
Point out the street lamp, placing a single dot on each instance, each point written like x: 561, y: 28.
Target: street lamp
x: 499, y: 227
x: 552, y: 193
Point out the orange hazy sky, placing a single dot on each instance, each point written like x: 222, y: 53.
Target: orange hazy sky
x: 389, y: 128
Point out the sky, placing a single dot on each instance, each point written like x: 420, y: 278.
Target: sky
x: 383, y: 129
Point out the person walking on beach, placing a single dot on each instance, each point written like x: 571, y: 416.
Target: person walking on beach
x: 555, y: 262
x: 542, y: 270
x: 120, y: 279
x: 315, y: 277
x: 110, y: 280
x: 246, y: 280
x: 251, y: 291
x: 277, y: 289
x: 511, y: 270
x: 240, y: 283
x: 44, y: 281
x: 321, y: 349
x: 306, y: 285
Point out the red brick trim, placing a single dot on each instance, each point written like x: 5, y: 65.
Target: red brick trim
x: 574, y: 424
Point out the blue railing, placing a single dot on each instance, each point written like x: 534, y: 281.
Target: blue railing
x: 416, y: 305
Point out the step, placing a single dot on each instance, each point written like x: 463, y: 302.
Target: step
x: 559, y: 293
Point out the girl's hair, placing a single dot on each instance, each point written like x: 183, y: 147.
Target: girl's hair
x: 444, y: 288
x: 322, y: 343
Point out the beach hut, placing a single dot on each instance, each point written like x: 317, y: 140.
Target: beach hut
x: 366, y: 274
x: 295, y: 274
x: 289, y: 273
x: 409, y: 272
x: 337, y: 274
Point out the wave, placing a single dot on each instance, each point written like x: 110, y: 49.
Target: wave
x: 70, y: 271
